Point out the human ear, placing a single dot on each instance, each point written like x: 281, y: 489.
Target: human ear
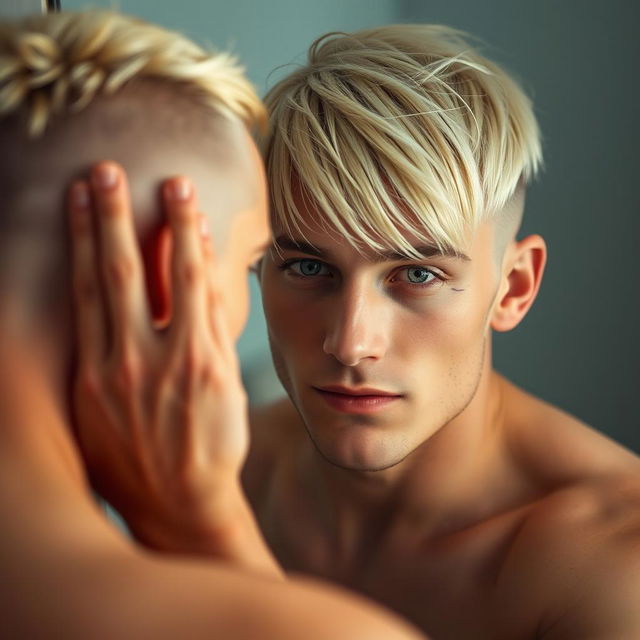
x: 521, y: 277
x: 157, y: 251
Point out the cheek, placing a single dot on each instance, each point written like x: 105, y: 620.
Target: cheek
x: 462, y: 324
x: 444, y: 357
x: 289, y: 321
x: 449, y: 331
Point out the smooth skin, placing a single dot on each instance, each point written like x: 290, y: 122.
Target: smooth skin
x: 66, y: 571
x: 473, y: 508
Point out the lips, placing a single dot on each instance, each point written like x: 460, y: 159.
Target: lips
x: 360, y: 391
x: 357, y: 400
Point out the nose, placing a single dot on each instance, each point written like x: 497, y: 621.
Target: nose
x: 358, y: 328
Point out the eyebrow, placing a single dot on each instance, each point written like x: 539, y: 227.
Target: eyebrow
x: 424, y: 251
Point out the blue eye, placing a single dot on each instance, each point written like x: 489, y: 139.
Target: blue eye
x: 419, y: 275
x: 307, y: 268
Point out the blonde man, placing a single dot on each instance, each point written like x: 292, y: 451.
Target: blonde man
x: 401, y: 464
x: 75, y: 88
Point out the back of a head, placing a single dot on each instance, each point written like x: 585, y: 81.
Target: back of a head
x: 399, y: 128
x: 78, y: 88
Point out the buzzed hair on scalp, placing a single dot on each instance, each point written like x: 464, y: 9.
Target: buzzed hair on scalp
x: 395, y: 130
x: 59, y: 62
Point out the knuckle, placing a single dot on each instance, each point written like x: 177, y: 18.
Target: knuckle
x: 195, y: 371
x: 208, y: 375
x: 191, y: 274
x: 215, y: 296
x: 184, y: 215
x: 191, y: 362
x: 111, y: 205
x: 121, y: 271
x: 165, y: 386
x: 211, y: 378
x: 128, y: 373
x: 89, y: 383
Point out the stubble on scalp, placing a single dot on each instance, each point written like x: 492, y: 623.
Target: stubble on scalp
x: 153, y: 130
x: 507, y: 222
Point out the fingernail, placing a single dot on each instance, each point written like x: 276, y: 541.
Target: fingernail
x: 105, y: 176
x: 80, y: 195
x: 179, y: 189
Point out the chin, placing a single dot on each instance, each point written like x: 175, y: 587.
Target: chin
x: 357, y: 451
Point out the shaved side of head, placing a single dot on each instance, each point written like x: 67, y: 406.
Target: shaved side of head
x: 154, y: 132
x: 78, y: 88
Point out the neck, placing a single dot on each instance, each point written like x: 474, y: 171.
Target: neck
x: 34, y: 384
x: 453, y: 480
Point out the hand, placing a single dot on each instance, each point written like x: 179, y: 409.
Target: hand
x: 160, y: 415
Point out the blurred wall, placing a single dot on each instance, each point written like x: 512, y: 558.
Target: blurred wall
x: 578, y: 347
x: 16, y: 8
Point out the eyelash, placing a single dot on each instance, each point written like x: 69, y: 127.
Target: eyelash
x: 287, y: 264
x: 439, y: 278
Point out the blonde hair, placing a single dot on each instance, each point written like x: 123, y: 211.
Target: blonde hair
x: 398, y: 129
x: 57, y: 62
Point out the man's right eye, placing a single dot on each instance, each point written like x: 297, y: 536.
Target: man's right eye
x: 306, y: 268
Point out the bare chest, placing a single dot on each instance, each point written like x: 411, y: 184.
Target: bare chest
x: 451, y: 588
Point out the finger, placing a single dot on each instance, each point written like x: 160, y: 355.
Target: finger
x: 188, y: 268
x: 88, y: 305
x: 120, y: 253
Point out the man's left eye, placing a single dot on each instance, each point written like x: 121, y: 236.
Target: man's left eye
x: 419, y: 275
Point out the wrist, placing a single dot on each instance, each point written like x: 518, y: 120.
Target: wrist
x: 223, y: 527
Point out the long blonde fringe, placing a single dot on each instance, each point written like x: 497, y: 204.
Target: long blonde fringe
x: 398, y: 130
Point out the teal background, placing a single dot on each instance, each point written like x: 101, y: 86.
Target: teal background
x: 579, y: 346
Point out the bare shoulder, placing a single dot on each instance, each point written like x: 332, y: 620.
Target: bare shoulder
x: 556, y: 449
x: 577, y: 556
x: 584, y: 515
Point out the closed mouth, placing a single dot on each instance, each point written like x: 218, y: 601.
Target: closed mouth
x: 357, y: 392
x: 362, y: 400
